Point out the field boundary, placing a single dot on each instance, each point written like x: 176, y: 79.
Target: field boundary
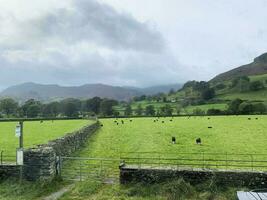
x: 42, y: 162
x: 129, y: 174
x: 210, y: 161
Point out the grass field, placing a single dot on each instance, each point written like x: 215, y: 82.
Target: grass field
x: 35, y: 133
x: 229, y: 134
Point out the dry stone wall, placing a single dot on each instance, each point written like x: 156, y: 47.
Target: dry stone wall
x: 196, y: 176
x: 42, y: 162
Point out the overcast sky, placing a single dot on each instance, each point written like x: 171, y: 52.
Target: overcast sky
x: 127, y: 42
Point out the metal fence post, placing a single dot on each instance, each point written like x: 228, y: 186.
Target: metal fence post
x: 203, y: 160
x: 80, y: 170
x: 2, y: 157
x: 252, y: 162
x: 226, y: 160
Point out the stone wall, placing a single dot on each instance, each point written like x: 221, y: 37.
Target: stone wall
x: 196, y: 176
x: 9, y: 171
x: 42, y: 162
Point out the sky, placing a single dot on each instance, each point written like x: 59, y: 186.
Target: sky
x: 127, y: 42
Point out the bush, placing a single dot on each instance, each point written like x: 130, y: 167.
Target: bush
x: 259, y: 108
x: 198, y: 111
x: 213, y: 111
x: 245, y: 108
x: 256, y: 86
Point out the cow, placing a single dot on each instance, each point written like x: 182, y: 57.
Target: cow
x: 173, y: 140
x: 198, y: 141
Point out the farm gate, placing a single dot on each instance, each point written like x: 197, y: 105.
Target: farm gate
x: 83, y: 168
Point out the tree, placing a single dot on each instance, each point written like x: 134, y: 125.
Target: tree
x: 8, y: 106
x: 70, y: 107
x: 208, y: 94
x: 128, y: 110
x: 51, y: 109
x: 31, y: 108
x: 256, y: 86
x: 220, y: 86
x: 259, y: 108
x: 242, y: 83
x: 106, y: 107
x: 171, y: 92
x: 139, y: 111
x: 233, y: 106
x: 166, y: 110
x: 178, y: 109
x: 93, y: 105
x: 150, y: 110
x: 246, y: 108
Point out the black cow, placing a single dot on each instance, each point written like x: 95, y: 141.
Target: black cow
x: 198, y: 141
x: 173, y: 140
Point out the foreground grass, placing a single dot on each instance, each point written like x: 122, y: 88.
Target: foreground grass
x: 13, y: 190
x: 36, y: 133
x: 174, y: 190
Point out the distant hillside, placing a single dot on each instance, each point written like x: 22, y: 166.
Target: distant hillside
x: 42, y: 92
x: 50, y: 92
x: 161, y: 89
x: 258, y: 67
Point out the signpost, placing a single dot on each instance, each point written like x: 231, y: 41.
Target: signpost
x: 19, y: 153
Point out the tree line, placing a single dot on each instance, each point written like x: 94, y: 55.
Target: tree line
x: 66, y: 108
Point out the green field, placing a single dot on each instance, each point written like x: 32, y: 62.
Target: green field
x: 35, y: 133
x: 230, y: 134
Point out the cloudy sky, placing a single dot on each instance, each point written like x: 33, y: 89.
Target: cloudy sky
x: 127, y: 42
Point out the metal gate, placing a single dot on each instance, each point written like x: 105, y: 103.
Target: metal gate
x: 83, y: 168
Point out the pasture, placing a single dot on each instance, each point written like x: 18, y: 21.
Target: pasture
x: 35, y: 133
x: 219, y: 135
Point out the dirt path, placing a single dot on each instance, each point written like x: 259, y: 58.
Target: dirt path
x: 58, y: 194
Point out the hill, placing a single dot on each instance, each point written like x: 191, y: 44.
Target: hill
x: 43, y: 92
x: 257, y: 67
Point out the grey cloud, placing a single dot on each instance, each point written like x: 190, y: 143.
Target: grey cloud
x: 97, y: 23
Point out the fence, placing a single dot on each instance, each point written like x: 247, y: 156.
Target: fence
x: 6, y: 158
x: 97, y: 169
x: 247, y: 162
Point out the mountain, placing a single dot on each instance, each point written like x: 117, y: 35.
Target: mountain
x: 51, y: 92
x: 161, y: 89
x: 257, y: 67
x: 42, y: 92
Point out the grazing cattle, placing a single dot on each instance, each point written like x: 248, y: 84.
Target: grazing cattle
x: 171, y: 120
x: 131, y: 120
x: 198, y: 141
x: 162, y: 121
x: 173, y: 140
x: 101, y: 125
x: 249, y: 118
x: 208, y: 118
x: 210, y: 127
x: 154, y: 120
x: 122, y: 121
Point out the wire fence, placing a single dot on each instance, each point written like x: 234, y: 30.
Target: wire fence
x: 248, y: 162
x: 6, y: 158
